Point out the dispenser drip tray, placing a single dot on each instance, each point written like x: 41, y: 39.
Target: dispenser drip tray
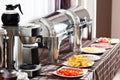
x: 32, y: 70
x: 28, y: 67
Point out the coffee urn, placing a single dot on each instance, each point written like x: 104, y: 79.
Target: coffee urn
x: 12, y: 46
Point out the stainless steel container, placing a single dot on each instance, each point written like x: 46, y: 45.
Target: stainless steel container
x: 2, y: 47
x: 29, y: 34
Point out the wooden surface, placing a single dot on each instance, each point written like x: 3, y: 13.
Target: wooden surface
x: 103, y: 18
x: 107, y: 65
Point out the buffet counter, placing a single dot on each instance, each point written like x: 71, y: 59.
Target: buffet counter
x: 103, y: 69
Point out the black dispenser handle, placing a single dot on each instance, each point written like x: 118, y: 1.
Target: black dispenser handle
x: 41, y: 44
x: 19, y: 7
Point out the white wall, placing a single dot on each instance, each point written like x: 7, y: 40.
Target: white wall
x: 115, y: 19
x: 92, y: 10
x: 90, y: 5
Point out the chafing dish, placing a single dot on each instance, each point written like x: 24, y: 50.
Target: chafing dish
x: 61, y: 24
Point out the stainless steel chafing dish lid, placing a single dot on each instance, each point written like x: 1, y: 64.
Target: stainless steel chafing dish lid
x: 61, y: 16
x: 81, y: 13
x: 55, y: 23
x: 60, y: 21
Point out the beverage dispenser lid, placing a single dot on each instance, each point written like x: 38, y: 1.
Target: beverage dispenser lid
x: 11, y: 7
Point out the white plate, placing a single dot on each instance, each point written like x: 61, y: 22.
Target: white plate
x: 65, y: 64
x: 93, y: 50
x: 84, y: 72
x: 102, y: 45
x: 114, y: 41
x: 91, y: 57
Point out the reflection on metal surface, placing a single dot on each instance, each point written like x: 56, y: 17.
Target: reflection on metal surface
x: 61, y: 24
x: 52, y: 29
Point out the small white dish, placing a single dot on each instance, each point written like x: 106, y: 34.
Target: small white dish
x: 93, y: 50
x: 114, y: 41
x: 92, y: 57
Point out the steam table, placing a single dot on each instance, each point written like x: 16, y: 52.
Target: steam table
x: 103, y: 69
